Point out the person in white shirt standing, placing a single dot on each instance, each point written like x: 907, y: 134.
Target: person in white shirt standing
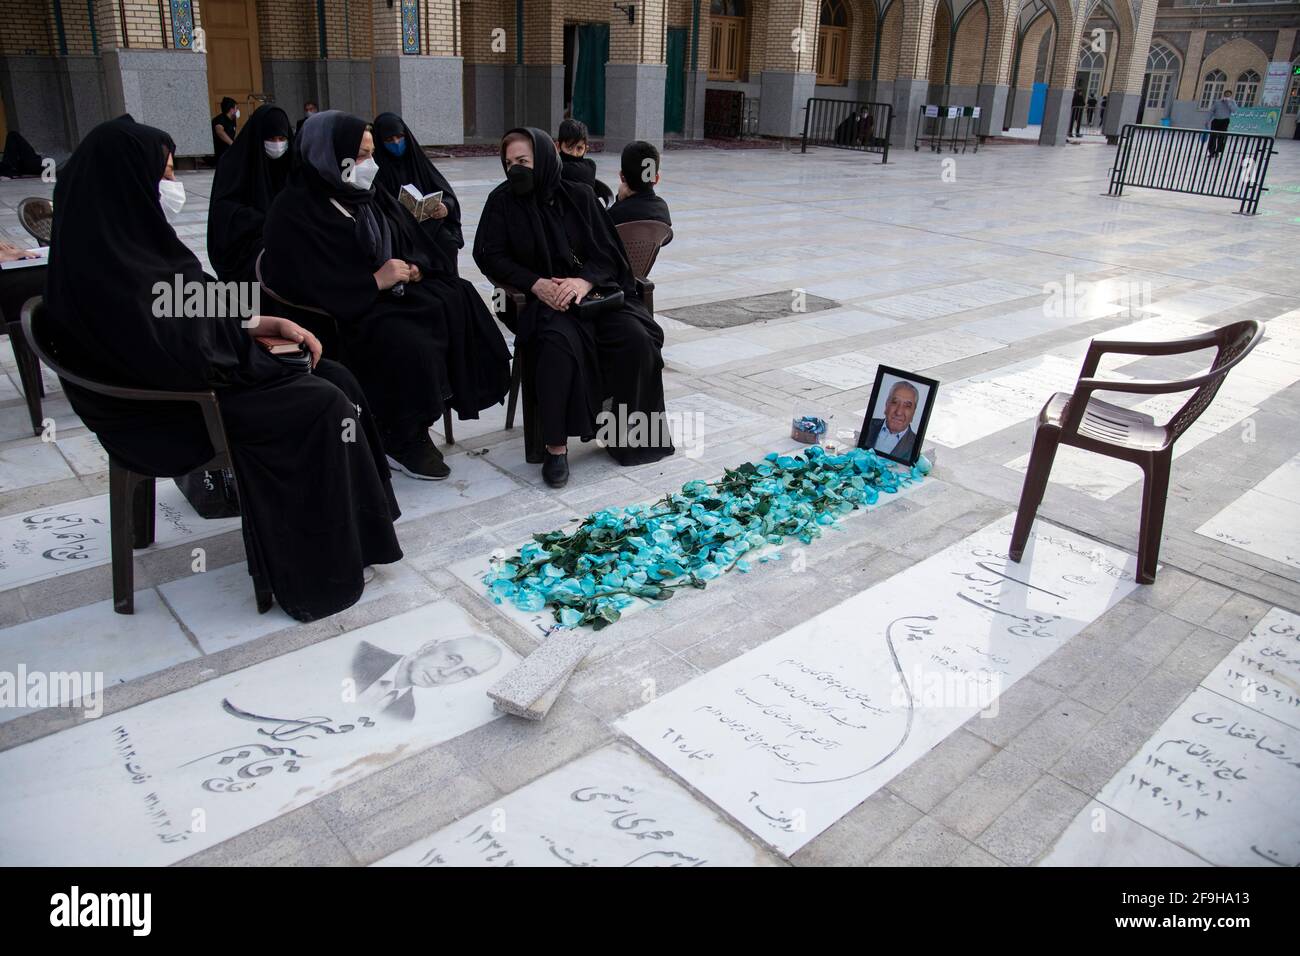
x: 1220, y: 116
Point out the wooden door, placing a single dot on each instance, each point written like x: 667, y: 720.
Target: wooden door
x: 234, y: 60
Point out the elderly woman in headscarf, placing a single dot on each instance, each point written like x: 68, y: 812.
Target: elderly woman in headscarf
x: 551, y: 239
x: 317, y: 509
x: 418, y: 341
x: 250, y: 175
x: 402, y: 162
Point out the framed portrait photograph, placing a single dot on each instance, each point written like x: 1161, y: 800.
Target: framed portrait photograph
x: 898, y: 414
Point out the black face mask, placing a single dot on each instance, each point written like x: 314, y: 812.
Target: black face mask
x: 520, y: 179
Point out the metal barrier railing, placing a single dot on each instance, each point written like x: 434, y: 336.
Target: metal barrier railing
x: 848, y: 124
x: 1194, y: 161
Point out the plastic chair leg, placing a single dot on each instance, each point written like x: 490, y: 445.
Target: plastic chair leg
x: 1031, y: 493
x: 512, y: 403
x: 143, y: 511
x: 120, y: 529
x: 1155, y: 492
x: 29, y: 374
x: 446, y: 427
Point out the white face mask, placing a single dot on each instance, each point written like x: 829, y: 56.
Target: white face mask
x: 363, y: 174
x: 275, y: 150
x: 236, y: 114
x: 171, y: 194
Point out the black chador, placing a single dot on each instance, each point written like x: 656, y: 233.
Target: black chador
x: 320, y: 507
x: 557, y: 229
x: 248, y: 178
x: 405, y: 164
x: 417, y: 348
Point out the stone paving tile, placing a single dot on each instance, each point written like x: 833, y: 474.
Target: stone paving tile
x: 1029, y: 827
x: 985, y: 794
x: 861, y: 834
x: 925, y: 843
x: 925, y: 783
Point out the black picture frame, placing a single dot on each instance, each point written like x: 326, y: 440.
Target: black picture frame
x: 927, y: 389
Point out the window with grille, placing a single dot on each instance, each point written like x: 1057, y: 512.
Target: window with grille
x: 726, y: 40
x: 1247, y: 88
x: 833, y: 44
x: 1212, y: 88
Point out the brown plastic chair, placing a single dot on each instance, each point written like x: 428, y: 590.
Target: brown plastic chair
x: 131, y: 494
x: 325, y: 327
x: 643, y: 239
x: 29, y: 369
x: 1085, y: 422
x: 37, y: 217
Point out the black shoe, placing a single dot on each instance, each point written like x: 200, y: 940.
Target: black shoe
x: 555, y: 470
x: 420, y: 459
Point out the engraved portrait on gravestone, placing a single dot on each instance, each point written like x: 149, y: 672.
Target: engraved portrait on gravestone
x: 391, y: 681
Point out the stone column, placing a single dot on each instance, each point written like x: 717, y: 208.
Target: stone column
x: 1060, y: 89
x: 1125, y: 94
x: 912, y: 85
x: 1187, y: 98
x: 534, y: 76
x: 635, y: 75
x: 418, y: 68
x: 994, y: 91
x: 788, y: 79
x: 489, y: 38
x: 162, y: 87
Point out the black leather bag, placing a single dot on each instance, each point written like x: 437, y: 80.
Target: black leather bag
x: 212, y: 493
x: 597, y: 302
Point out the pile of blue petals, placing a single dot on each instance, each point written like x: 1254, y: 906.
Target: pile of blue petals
x: 591, y: 575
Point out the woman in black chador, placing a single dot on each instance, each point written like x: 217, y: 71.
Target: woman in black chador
x: 419, y: 341
x: 550, y: 238
x: 402, y: 162
x: 310, y: 482
x: 249, y: 176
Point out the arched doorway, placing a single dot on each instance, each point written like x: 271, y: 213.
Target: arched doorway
x: 1031, y: 67
x: 727, y: 40
x: 833, y: 44
x: 1159, y: 83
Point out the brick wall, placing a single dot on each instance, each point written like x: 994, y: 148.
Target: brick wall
x: 287, y: 29
x: 27, y: 28
x: 942, y: 35
x: 968, y: 49
x: 891, y: 40
x: 1029, y: 52
x: 1234, y: 58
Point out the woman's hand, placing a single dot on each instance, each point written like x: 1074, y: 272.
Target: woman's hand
x: 548, y: 290
x: 416, y: 274
x: 392, y: 272
x: 440, y: 212
x: 273, y: 326
x: 11, y: 253
x: 572, y: 290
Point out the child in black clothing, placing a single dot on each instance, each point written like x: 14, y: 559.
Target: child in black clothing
x: 638, y: 176
x: 575, y: 166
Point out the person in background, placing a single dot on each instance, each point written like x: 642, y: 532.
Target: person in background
x: 402, y: 162
x: 308, y: 109
x: 638, y: 176
x: 319, y: 509
x: 252, y: 174
x: 223, y: 128
x: 20, y: 159
x: 1220, y: 117
x: 576, y: 166
x: 1092, y: 108
x: 1076, y: 114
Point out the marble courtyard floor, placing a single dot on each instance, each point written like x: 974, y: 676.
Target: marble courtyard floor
x: 1127, y: 724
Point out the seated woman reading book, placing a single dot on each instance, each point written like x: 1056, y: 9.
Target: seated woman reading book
x: 403, y: 165
x: 321, y: 508
x: 419, y: 340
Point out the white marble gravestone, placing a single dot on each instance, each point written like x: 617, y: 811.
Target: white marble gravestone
x: 608, y: 808
x: 1218, y: 778
x: 1266, y: 519
x: 1263, y: 671
x: 47, y: 542
x: 158, y: 782
x: 792, y: 735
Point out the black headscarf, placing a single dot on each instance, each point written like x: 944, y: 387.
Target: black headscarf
x: 246, y: 182
x: 558, y: 229
x: 326, y: 143
x: 415, y: 168
x: 112, y: 244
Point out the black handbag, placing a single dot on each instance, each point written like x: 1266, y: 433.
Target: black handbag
x: 212, y: 493
x: 597, y: 302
